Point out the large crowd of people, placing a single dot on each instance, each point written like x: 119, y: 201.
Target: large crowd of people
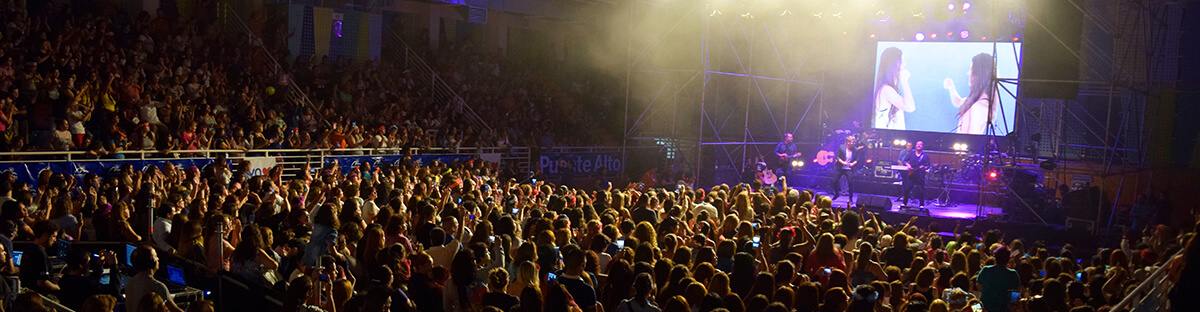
x: 458, y: 237
x: 98, y: 80
x: 446, y: 237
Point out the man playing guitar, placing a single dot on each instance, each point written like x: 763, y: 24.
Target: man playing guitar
x: 917, y: 162
x: 844, y: 167
x: 786, y: 150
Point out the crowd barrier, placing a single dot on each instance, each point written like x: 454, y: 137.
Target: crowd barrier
x: 27, y: 165
x: 554, y: 163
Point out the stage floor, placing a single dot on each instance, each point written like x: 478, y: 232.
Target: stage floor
x: 956, y: 211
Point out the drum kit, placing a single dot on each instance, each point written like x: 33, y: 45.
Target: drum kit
x: 973, y: 166
x: 972, y: 170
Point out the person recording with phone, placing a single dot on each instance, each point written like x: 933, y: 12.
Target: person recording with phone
x: 85, y: 277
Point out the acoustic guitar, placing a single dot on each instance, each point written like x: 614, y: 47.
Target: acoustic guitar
x: 825, y: 157
x: 767, y: 176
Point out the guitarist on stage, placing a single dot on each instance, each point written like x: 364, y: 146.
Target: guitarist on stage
x: 786, y: 150
x: 917, y: 162
x: 845, y: 165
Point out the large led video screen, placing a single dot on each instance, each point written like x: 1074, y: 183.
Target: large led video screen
x: 944, y: 86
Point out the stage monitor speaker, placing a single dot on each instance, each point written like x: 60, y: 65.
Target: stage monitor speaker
x: 1022, y: 182
x: 875, y: 203
x: 1082, y: 204
x: 1052, y: 35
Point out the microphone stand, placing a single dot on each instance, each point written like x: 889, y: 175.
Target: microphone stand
x: 221, y: 264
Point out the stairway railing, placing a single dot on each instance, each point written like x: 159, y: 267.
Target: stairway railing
x: 293, y: 94
x: 1151, y: 294
x: 399, y: 50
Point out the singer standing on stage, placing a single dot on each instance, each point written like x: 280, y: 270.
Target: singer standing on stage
x: 917, y: 162
x: 844, y: 167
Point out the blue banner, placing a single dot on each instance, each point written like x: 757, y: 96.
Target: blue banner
x: 348, y: 163
x: 585, y: 164
x: 28, y: 171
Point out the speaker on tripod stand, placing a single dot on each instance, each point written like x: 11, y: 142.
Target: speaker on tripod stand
x: 1022, y: 191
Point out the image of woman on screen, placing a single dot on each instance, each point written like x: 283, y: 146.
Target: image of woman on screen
x: 890, y: 81
x: 973, y: 110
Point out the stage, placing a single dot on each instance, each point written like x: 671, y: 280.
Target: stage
x: 954, y: 211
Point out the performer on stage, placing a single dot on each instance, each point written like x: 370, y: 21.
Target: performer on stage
x: 908, y: 147
x: 845, y: 165
x: 893, y: 96
x: 973, y: 109
x: 917, y: 162
x: 786, y: 150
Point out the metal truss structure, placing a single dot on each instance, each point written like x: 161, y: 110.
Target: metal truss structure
x: 1103, y: 132
x: 725, y: 84
x: 729, y: 83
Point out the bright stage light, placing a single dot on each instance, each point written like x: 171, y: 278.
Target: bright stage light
x: 919, y: 37
x: 1015, y: 39
x: 992, y: 175
x: 964, y: 34
x: 950, y: 7
x: 933, y: 36
x: 797, y: 163
x: 966, y: 6
x: 872, y: 36
x: 964, y: 146
x: 896, y: 142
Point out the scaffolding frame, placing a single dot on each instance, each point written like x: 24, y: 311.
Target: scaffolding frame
x: 1121, y: 70
x: 1134, y: 87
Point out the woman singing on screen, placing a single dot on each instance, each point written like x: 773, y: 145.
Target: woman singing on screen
x: 888, y: 100
x: 973, y: 110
